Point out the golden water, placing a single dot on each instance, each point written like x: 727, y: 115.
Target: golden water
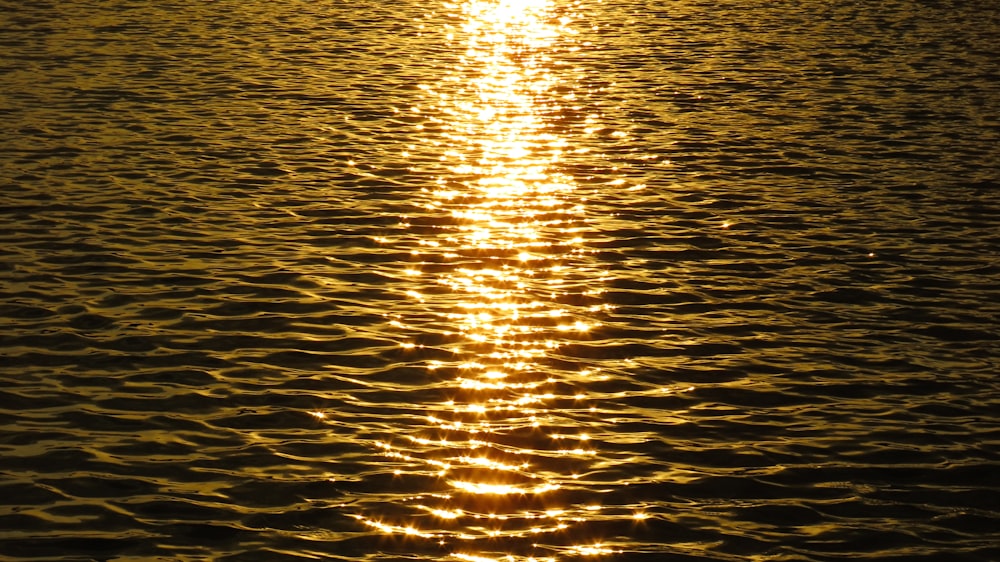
x: 499, y: 280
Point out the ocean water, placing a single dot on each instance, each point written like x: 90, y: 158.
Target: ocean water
x: 500, y: 280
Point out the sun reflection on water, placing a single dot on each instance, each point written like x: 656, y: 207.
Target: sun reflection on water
x: 504, y: 271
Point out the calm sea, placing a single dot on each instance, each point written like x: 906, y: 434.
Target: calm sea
x: 500, y: 280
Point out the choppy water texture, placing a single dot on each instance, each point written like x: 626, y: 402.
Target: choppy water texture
x: 620, y: 280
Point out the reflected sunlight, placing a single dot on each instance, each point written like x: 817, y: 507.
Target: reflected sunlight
x: 513, y: 238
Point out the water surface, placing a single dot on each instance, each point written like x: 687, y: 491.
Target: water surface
x: 499, y: 280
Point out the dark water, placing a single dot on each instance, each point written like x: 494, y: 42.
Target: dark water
x: 499, y: 280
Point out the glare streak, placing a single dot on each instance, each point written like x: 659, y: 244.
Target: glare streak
x: 496, y: 274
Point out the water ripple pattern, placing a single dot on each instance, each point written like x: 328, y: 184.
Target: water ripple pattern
x: 497, y: 280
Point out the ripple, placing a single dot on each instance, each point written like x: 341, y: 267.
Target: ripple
x: 253, y: 264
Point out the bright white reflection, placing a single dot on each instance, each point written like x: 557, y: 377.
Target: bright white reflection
x: 504, y: 272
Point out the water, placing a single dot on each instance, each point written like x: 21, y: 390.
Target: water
x: 499, y: 280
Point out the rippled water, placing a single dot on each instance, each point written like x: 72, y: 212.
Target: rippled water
x: 499, y: 280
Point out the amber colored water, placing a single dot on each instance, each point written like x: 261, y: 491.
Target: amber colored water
x: 500, y: 280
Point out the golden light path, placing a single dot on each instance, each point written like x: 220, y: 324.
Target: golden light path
x: 515, y: 286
